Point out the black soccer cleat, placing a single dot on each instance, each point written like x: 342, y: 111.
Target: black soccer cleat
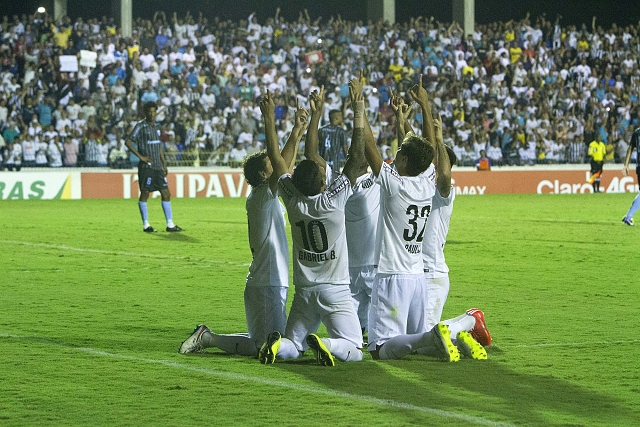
x: 149, y: 229
x: 174, y: 229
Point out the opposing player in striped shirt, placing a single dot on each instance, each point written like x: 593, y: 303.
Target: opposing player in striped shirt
x: 152, y: 169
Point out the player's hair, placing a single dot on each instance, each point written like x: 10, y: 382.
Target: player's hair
x: 252, y: 166
x: 149, y: 105
x: 333, y: 113
x: 419, y: 153
x: 308, y: 178
x: 453, y: 159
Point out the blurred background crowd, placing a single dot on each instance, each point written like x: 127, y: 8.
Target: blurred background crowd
x: 525, y: 92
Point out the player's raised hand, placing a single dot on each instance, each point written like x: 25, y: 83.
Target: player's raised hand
x: 356, y: 83
x: 437, y: 124
x: 395, y: 102
x: 267, y: 107
x: 418, y: 93
x: 301, y: 116
x: 354, y: 93
x: 316, y: 101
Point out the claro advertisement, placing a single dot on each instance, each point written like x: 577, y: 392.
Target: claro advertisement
x: 231, y: 183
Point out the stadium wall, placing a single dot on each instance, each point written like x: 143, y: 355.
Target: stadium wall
x: 226, y: 182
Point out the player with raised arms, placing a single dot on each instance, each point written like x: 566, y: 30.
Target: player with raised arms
x: 361, y: 220
x: 397, y: 320
x: 471, y: 324
x: 321, y: 274
x: 267, y: 285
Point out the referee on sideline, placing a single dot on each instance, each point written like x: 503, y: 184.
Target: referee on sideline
x: 597, y: 151
x: 152, y: 169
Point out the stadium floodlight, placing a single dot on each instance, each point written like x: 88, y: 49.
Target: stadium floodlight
x: 41, y: 9
x: 319, y: 41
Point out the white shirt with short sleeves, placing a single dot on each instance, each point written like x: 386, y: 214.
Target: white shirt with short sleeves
x: 435, y: 235
x: 267, y: 239
x: 405, y: 205
x: 318, y: 233
x: 361, y: 216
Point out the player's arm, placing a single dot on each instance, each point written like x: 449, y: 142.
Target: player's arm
x: 129, y: 145
x: 371, y: 152
x: 419, y: 94
x: 164, y: 162
x: 316, y: 102
x: 443, y: 165
x: 290, y: 149
x: 627, y: 158
x: 267, y: 107
x: 356, y: 159
x: 401, y: 111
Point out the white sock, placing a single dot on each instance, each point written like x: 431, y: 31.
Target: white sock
x: 401, y: 345
x: 464, y: 322
x: 343, y: 349
x: 288, y: 349
x: 231, y: 343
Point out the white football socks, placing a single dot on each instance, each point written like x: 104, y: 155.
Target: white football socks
x: 464, y: 322
x: 343, y: 349
x: 402, y: 345
x: 239, y: 344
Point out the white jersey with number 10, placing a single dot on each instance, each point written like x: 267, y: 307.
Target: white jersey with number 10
x: 318, y: 233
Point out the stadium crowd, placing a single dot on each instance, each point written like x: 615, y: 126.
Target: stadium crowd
x: 525, y: 91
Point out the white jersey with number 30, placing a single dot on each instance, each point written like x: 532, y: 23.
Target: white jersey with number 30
x: 318, y: 233
x: 405, y: 205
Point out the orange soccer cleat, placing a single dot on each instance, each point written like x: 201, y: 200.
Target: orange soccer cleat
x: 480, y: 332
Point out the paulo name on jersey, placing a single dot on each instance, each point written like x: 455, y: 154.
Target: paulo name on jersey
x: 318, y: 233
x: 436, y: 235
x: 267, y: 239
x: 405, y: 205
x: 361, y: 215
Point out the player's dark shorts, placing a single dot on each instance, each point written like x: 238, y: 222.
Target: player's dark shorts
x: 638, y: 173
x: 152, y: 180
x: 596, y: 167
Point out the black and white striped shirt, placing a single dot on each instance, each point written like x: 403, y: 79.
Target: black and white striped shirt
x: 147, y: 139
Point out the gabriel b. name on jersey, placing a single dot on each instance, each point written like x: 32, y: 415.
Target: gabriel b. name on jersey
x: 314, y: 257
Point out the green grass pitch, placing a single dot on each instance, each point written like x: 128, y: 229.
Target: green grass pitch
x: 92, y: 312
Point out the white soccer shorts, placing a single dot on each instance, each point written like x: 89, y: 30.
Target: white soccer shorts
x: 328, y: 304
x: 437, y: 292
x: 266, y: 310
x: 398, y: 307
x: 361, y: 285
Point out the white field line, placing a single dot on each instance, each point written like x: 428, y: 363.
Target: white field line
x: 103, y: 251
x: 575, y: 344
x: 275, y: 383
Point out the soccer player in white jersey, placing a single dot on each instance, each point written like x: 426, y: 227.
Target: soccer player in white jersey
x: 321, y: 274
x: 436, y: 270
x: 397, y: 319
x: 265, y: 294
x: 361, y: 221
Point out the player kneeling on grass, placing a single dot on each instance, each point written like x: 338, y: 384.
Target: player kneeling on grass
x: 321, y: 270
x: 152, y: 169
x: 265, y: 294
